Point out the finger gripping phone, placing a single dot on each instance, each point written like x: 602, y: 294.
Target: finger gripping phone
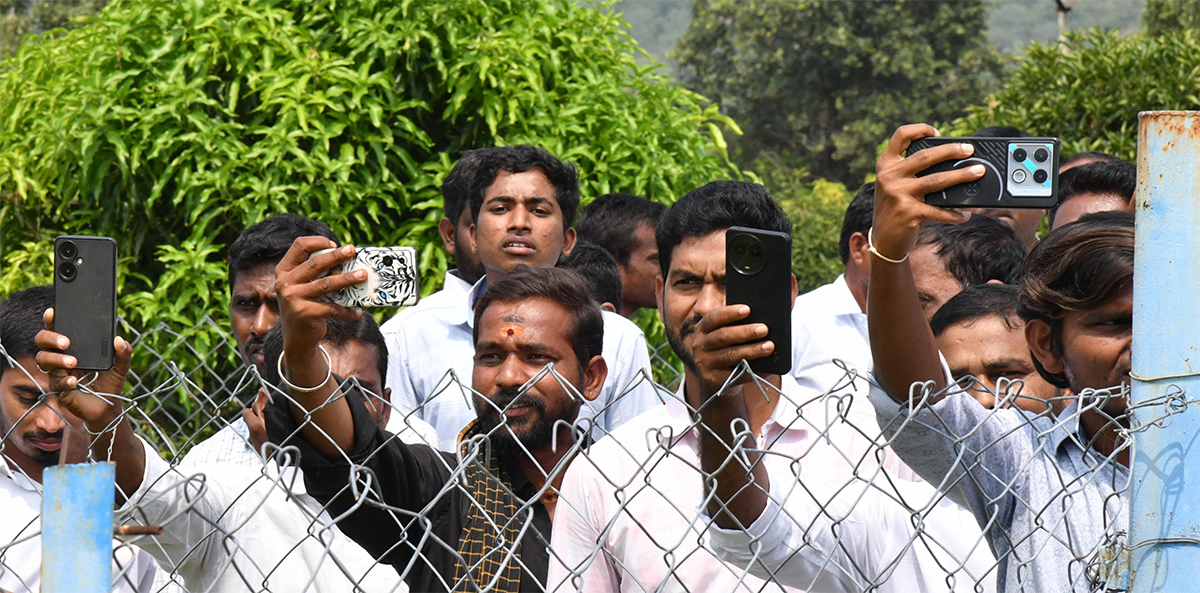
x: 1018, y: 173
x: 758, y: 273
x: 393, y: 279
x: 85, y: 298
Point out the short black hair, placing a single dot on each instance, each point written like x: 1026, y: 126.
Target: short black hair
x: 598, y: 269
x: 269, y: 240
x: 977, y: 302
x: 456, y: 188
x: 521, y: 158
x: 338, y: 332
x: 1077, y: 267
x: 715, y: 207
x: 563, y: 286
x: 1001, y: 132
x: 611, y: 220
x: 1088, y: 155
x: 1116, y: 177
x: 975, y: 251
x: 21, y: 320
x: 859, y: 215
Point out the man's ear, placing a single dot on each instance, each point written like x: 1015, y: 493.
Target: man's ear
x: 658, y: 293
x: 473, y: 233
x: 568, y: 242
x: 859, y: 255
x: 385, y: 414
x: 593, y: 377
x: 1049, y: 364
x: 607, y: 306
x: 795, y: 290
x: 446, y: 230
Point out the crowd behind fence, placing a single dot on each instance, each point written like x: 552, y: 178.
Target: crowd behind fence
x: 631, y: 515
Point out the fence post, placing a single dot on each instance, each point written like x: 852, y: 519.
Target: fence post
x: 1164, y: 508
x: 77, y: 528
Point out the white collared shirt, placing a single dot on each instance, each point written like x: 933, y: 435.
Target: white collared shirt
x: 429, y: 341
x: 232, y: 528
x: 21, y: 562
x: 630, y: 513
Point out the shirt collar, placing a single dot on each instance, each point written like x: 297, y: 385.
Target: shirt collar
x: 455, y: 285
x: 18, y: 477
x: 468, y: 313
x: 841, y: 301
x: 786, y: 415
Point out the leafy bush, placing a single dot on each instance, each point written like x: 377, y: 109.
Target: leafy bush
x: 816, y: 208
x: 822, y: 82
x: 173, y: 124
x: 1089, y: 89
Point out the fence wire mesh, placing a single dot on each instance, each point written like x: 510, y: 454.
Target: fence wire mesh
x: 938, y: 494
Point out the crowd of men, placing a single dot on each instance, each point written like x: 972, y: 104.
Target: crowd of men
x: 505, y: 433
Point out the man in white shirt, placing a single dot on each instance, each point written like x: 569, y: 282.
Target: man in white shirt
x: 33, y: 430
x: 253, y: 311
x: 227, y: 527
x: 522, y: 200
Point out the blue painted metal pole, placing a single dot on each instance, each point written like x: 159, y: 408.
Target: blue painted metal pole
x: 77, y: 528
x: 1165, y: 506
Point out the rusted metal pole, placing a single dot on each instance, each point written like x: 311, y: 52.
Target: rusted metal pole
x: 1164, y: 527
x: 77, y: 528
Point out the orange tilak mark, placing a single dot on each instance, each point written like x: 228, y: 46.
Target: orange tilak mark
x: 510, y: 330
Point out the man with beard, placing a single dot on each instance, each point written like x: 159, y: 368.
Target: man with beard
x: 253, y: 311
x: 34, y: 427
x: 630, y: 512
x: 1049, y: 490
x: 538, y: 335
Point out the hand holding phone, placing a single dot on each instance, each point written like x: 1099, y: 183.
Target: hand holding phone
x: 1018, y: 173
x: 393, y: 279
x: 758, y: 273
x: 85, y: 298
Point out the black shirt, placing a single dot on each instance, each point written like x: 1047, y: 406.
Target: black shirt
x: 417, y: 507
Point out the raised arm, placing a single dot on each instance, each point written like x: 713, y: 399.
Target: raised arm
x: 902, y: 344
x: 102, y: 416
x: 300, y: 286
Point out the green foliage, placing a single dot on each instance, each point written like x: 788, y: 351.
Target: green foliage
x: 816, y: 209
x: 1089, y: 90
x: 822, y: 82
x: 1165, y: 16
x: 19, y: 18
x: 171, y: 125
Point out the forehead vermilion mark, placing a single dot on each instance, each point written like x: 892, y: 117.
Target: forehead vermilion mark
x: 510, y: 330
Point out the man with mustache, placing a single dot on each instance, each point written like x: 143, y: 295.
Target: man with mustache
x: 630, y: 518
x: 522, y: 200
x: 34, y: 427
x: 442, y: 524
x: 1048, y: 489
x: 253, y: 311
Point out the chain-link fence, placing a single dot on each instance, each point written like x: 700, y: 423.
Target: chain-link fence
x: 937, y: 494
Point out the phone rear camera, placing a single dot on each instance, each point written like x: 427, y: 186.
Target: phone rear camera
x: 1040, y: 176
x: 1020, y: 155
x: 748, y: 256
x: 1041, y: 154
x: 67, y: 271
x: 67, y: 250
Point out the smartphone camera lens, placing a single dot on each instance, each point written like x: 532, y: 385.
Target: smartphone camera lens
x: 749, y: 256
x: 1040, y: 176
x: 1020, y: 155
x: 67, y: 250
x: 67, y: 271
x: 1040, y: 155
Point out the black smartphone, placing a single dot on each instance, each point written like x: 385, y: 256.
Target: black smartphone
x: 1018, y: 173
x: 758, y: 273
x: 85, y: 298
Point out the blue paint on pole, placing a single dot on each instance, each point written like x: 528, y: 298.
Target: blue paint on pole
x: 77, y: 528
x: 1164, y: 532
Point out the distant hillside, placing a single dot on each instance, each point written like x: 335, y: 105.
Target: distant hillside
x: 1012, y: 24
